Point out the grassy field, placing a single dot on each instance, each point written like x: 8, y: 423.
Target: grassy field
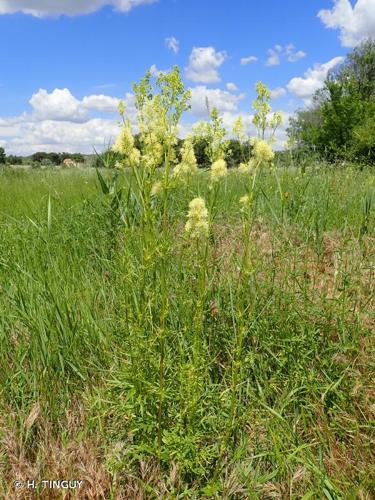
x: 149, y: 365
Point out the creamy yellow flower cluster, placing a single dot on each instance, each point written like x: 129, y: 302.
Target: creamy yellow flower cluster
x: 197, y: 225
x: 262, y: 153
x: 153, y: 150
x: 154, y: 135
x: 218, y: 170
x: 188, y: 165
x: 125, y: 145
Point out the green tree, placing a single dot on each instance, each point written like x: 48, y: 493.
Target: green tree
x: 340, y: 122
x: 359, y: 68
x: 2, y: 156
x: 14, y: 160
x: 364, y: 135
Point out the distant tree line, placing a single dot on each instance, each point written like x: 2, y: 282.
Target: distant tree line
x: 9, y: 160
x: 340, y: 123
x: 56, y: 158
x: 40, y: 157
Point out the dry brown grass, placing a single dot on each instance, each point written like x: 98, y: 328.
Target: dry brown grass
x: 68, y: 457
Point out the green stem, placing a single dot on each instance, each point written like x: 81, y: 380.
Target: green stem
x: 163, y: 301
x: 198, y: 324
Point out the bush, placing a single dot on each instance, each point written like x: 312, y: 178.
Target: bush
x: 53, y: 158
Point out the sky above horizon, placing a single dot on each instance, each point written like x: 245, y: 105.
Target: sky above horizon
x: 66, y: 64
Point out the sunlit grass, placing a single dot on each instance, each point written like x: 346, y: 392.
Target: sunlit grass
x: 267, y: 370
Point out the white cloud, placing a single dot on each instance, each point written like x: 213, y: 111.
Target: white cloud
x: 247, y: 60
x: 221, y: 99
x: 232, y: 87
x: 289, y: 51
x: 61, y: 122
x: 229, y: 119
x: 354, y: 22
x: 292, y: 55
x: 103, y: 103
x: 300, y: 54
x: 312, y: 80
x: 44, y: 8
x: 155, y: 71
x: 278, y: 92
x: 273, y: 58
x: 204, y: 63
x: 49, y: 135
x: 173, y: 44
x: 58, y: 105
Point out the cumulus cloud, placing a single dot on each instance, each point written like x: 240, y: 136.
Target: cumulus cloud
x: 57, y: 105
x: 288, y: 51
x: 278, y: 92
x: 173, y: 44
x: 61, y: 105
x: 102, y: 103
x: 232, y: 87
x: 155, y: 71
x: 49, y: 135
x: 296, y: 56
x: 204, y: 63
x: 312, y: 80
x: 61, y: 122
x: 354, y: 22
x: 44, y: 8
x: 9, y: 127
x: 292, y: 54
x: 221, y: 99
x: 273, y: 58
x: 248, y: 60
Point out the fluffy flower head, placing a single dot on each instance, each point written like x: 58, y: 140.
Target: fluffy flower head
x: 197, y: 223
x: 153, y: 151
x: 188, y: 165
x: 263, y: 151
x: 218, y: 170
x: 125, y: 145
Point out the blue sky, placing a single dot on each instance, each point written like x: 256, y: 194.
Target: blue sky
x: 85, y: 55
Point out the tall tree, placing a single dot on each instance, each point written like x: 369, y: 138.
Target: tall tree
x: 341, y: 120
x: 2, y: 156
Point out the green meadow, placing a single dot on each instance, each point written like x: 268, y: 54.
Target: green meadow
x: 149, y: 364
